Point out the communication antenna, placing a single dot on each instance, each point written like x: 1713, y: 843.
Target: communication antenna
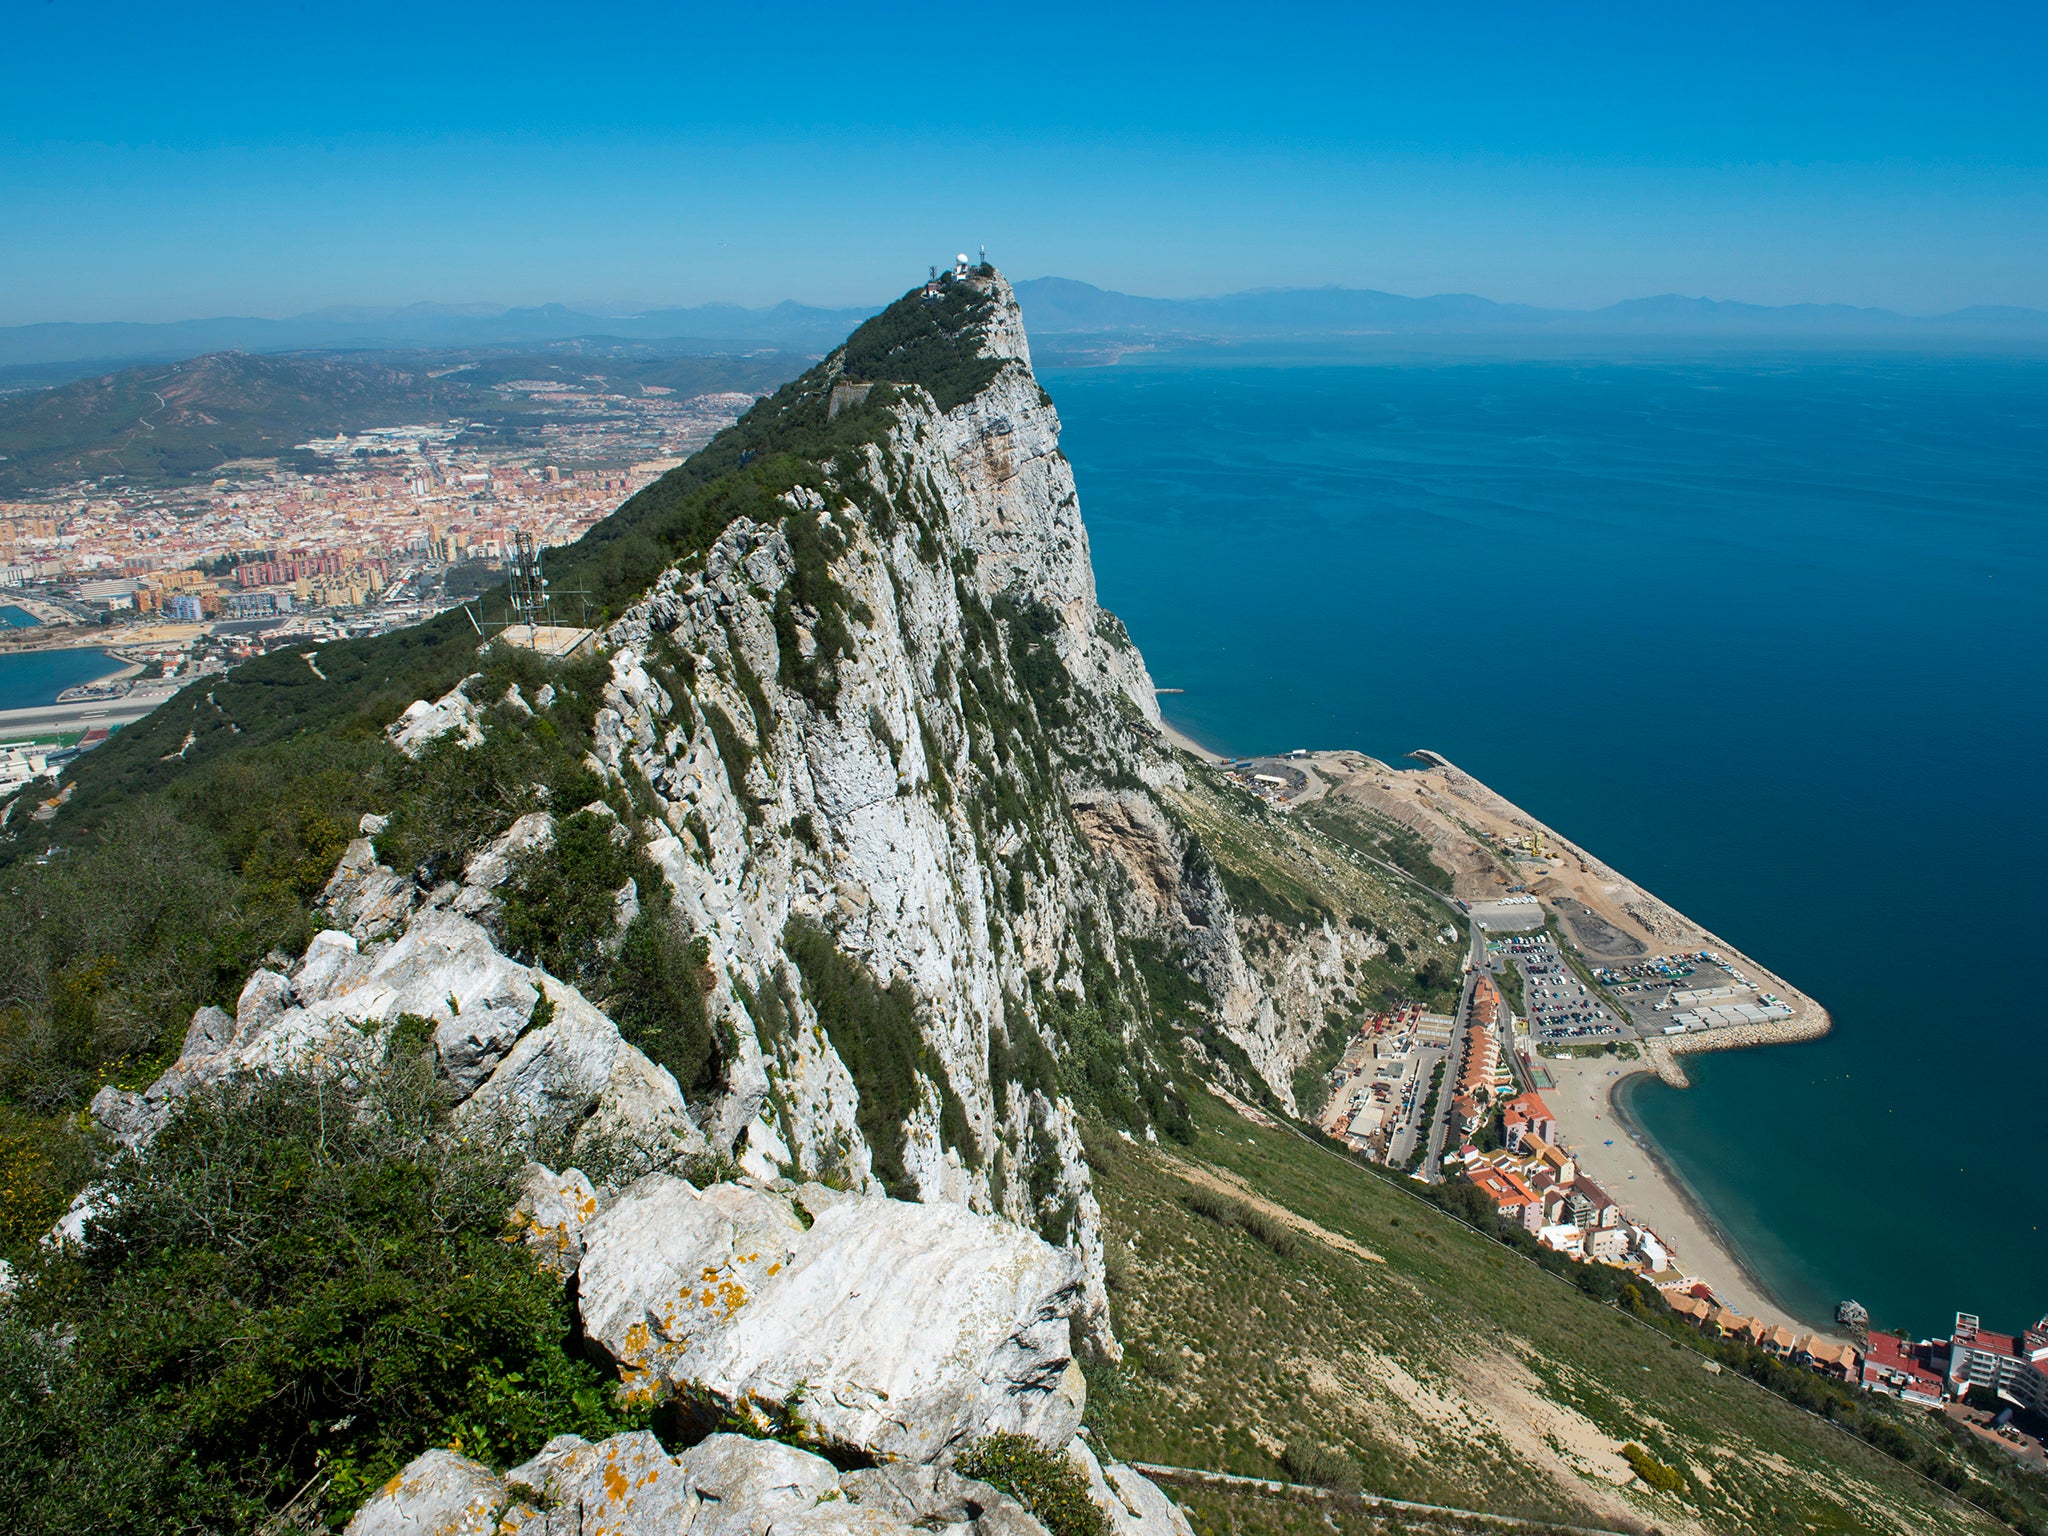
x: 529, y: 586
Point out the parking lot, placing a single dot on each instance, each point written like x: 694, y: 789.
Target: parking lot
x: 1562, y: 1009
x: 1683, y: 993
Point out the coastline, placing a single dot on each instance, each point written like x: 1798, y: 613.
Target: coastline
x: 1724, y: 1242
x: 1187, y: 743
x: 1626, y: 905
x: 1589, y: 1099
x: 1591, y: 1108
x: 37, y: 711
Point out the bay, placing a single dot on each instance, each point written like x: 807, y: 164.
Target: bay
x: 1765, y: 632
x: 29, y: 678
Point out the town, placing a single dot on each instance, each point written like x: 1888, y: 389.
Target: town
x: 1410, y: 1081
x: 353, y: 535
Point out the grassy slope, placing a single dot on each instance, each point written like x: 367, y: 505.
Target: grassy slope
x: 1453, y: 1373
x: 168, y: 421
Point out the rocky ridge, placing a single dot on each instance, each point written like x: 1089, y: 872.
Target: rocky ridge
x: 883, y: 707
x: 879, y: 739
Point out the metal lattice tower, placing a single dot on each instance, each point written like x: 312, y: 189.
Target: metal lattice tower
x: 529, y: 586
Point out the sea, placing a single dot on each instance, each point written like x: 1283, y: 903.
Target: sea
x: 29, y: 678
x: 1769, y: 633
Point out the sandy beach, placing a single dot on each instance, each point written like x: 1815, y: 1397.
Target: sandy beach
x: 1647, y: 1190
x: 1188, y: 744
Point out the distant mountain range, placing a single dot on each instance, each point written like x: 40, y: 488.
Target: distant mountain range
x: 348, y: 328
x: 1058, y: 306
x: 1053, y: 307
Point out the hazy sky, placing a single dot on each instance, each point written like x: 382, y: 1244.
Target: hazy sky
x: 161, y: 161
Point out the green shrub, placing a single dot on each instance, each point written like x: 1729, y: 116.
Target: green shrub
x: 1051, y: 1487
x: 1652, y: 1471
x: 876, y: 1032
x: 290, y: 1286
x: 1323, y: 1466
x: 656, y: 992
x: 1226, y: 1212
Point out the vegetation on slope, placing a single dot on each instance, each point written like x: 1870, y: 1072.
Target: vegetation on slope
x: 106, y: 951
x: 292, y: 1291
x: 174, y: 421
x: 1451, y: 1373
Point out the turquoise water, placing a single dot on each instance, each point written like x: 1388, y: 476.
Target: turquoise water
x: 1768, y: 635
x: 28, y: 678
x: 13, y: 617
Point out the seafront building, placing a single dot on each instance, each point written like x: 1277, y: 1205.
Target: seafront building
x: 2015, y: 1367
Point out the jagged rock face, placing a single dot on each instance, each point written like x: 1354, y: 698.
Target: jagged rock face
x: 338, y: 1006
x: 852, y: 815
x: 894, y: 1330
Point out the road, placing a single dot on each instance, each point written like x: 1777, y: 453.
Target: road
x: 48, y: 719
x: 1440, y: 1122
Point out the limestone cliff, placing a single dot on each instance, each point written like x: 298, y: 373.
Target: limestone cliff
x: 904, y: 780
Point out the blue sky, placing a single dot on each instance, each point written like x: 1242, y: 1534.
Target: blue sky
x: 160, y: 162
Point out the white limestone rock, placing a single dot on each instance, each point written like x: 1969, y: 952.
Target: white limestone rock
x: 1133, y: 1502
x: 922, y: 1496
x: 747, y: 1485
x: 624, y: 1486
x: 578, y: 1068
x: 438, y: 1494
x: 127, y: 1117
x: 491, y: 865
x: 365, y: 897
x: 423, y: 723
x: 265, y: 997
x: 896, y: 1330
x: 332, y: 966
x: 551, y: 1213
x: 836, y: 1517
x: 209, y: 1034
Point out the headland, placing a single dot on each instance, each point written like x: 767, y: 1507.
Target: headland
x: 1605, y: 983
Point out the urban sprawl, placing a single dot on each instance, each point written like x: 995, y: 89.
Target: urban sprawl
x: 362, y: 533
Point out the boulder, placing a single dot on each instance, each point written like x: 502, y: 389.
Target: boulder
x: 551, y: 1213
x: 747, y: 1485
x: 129, y: 1118
x: 894, y: 1330
x: 491, y: 865
x: 209, y: 1034
x: 837, y: 1517
x: 445, y: 970
x: 423, y: 724
x: 265, y: 996
x: 438, y: 1494
x: 332, y: 965
x: 1133, y: 1502
x: 922, y: 1496
x: 578, y: 1068
x: 366, y: 897
x: 625, y: 1486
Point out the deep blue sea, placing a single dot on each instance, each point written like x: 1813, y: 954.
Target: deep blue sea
x: 28, y: 678
x: 1768, y: 634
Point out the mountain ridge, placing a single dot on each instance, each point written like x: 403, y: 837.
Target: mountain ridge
x: 1054, y: 306
x: 848, y: 862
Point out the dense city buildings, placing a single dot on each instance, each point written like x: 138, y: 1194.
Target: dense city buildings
x: 337, y: 526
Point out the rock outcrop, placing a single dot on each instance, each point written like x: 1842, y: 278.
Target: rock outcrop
x: 446, y: 975
x: 726, y: 1485
x: 888, y: 1329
